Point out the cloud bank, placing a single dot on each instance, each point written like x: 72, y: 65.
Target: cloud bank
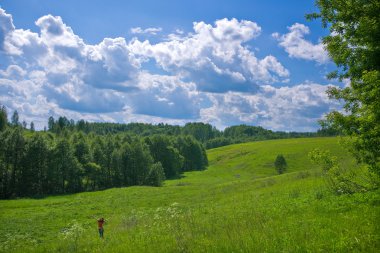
x: 209, y: 74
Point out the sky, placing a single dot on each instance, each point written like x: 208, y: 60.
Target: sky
x: 226, y: 63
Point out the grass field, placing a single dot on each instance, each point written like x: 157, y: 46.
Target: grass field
x: 239, y: 204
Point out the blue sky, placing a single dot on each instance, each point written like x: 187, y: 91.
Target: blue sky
x: 221, y: 62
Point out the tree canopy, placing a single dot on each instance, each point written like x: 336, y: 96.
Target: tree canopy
x: 353, y: 44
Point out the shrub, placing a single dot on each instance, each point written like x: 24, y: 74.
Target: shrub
x: 343, y: 180
x: 280, y: 164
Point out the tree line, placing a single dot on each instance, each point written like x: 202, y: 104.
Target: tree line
x: 205, y: 133
x: 40, y: 163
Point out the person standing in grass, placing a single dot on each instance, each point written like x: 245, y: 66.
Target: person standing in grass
x: 100, y: 227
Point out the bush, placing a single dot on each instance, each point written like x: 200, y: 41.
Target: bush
x: 343, y: 180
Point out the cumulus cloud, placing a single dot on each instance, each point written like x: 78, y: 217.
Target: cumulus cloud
x: 215, y: 57
x: 73, y: 75
x: 297, y: 46
x: 294, y: 108
x: 150, y: 30
x: 6, y: 26
x: 166, y: 96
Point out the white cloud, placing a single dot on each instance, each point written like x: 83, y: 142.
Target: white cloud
x: 214, y: 57
x: 150, y: 30
x: 165, y: 96
x: 294, y: 108
x: 179, y: 31
x: 13, y: 72
x: 6, y: 26
x: 73, y: 75
x: 296, y: 46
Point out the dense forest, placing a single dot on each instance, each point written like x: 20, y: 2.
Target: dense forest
x: 70, y: 156
x: 67, y: 160
x: 205, y: 133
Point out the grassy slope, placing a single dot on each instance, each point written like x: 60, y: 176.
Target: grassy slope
x: 238, y: 204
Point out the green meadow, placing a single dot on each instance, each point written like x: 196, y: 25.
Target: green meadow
x: 239, y: 204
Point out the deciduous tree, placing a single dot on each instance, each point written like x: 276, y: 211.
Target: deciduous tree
x: 280, y: 164
x: 353, y: 44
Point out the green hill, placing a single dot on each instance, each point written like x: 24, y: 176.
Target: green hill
x: 239, y: 204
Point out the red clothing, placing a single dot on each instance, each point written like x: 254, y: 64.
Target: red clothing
x: 100, y: 223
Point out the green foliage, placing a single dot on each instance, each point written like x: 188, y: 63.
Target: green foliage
x: 200, y: 131
x: 66, y: 167
x: 280, y: 164
x: 208, y: 135
x: 218, y: 142
x: 15, y: 119
x: 353, y: 44
x: 194, y: 154
x: 156, y: 175
x: 35, y: 170
x: 343, y: 180
x: 163, y: 151
x: 92, y: 176
x: 3, y: 118
x: 65, y: 160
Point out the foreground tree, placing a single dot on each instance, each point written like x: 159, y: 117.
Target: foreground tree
x: 353, y: 44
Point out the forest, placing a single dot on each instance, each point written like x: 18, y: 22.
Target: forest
x: 67, y: 160
x: 205, y: 133
x: 70, y: 157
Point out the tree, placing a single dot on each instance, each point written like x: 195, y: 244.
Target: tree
x: 353, y: 44
x: 67, y: 167
x: 15, y: 119
x: 200, y: 131
x: 32, y: 126
x: 99, y: 159
x: 109, y: 146
x: 156, y: 175
x: 81, y: 149
x: 51, y: 123
x: 194, y: 155
x: 163, y: 151
x: 92, y: 176
x: 123, y: 161
x: 140, y: 162
x: 15, y: 151
x: 280, y: 164
x: 4, y: 164
x: 3, y: 118
x: 33, y: 178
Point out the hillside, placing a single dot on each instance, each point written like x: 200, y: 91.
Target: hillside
x: 239, y: 204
